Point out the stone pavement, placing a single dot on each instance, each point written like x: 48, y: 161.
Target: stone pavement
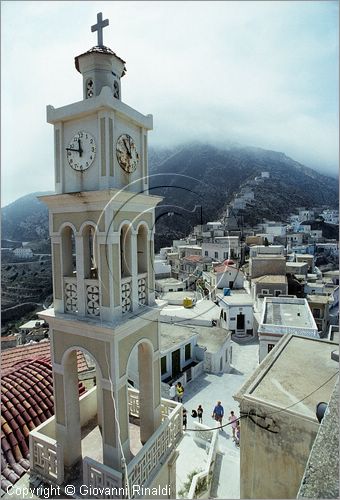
x: 207, y: 390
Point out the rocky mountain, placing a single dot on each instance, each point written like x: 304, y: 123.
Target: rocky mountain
x: 26, y: 219
x: 203, y: 175
x: 199, y: 180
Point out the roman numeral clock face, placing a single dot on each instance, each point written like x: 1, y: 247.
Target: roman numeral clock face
x: 81, y: 151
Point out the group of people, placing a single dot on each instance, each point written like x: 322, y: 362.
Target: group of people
x: 218, y: 412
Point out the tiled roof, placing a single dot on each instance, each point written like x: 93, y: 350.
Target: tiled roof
x: 13, y: 357
x: 26, y: 402
x: 223, y: 268
x: 99, y: 50
x: 193, y: 258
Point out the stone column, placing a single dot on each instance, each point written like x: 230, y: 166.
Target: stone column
x: 67, y: 412
x: 134, y: 270
x: 80, y: 276
x: 146, y: 392
x: 110, y: 432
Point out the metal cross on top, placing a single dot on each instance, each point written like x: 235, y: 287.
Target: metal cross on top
x: 99, y: 27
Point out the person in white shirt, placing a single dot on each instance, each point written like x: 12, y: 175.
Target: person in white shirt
x: 172, y: 392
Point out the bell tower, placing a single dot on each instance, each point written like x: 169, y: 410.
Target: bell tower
x: 102, y: 229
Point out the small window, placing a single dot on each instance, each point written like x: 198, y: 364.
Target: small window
x: 317, y: 313
x: 265, y: 291
x: 225, y: 255
x: 277, y: 293
x: 270, y: 347
x: 187, y: 352
x: 206, y: 253
x: 163, y: 365
x: 216, y: 255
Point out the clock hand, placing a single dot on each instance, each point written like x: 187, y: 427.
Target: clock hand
x: 80, y: 148
x: 128, y: 150
x: 72, y: 149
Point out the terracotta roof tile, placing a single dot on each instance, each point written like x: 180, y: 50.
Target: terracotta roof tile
x: 27, y: 401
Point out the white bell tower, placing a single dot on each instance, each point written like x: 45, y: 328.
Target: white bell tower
x: 102, y: 229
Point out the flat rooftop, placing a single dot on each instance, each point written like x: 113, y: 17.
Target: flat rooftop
x: 212, y: 337
x: 290, y: 312
x: 203, y: 311
x: 279, y: 380
x: 296, y: 264
x: 237, y: 299
x: 174, y: 334
x: 319, y: 299
x: 170, y: 281
x: 271, y: 278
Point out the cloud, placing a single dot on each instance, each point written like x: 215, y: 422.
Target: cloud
x: 259, y: 73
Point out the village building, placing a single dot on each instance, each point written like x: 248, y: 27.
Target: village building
x: 267, y: 264
x: 187, y: 351
x: 320, y: 306
x: 23, y: 253
x: 228, y: 275
x: 236, y: 314
x: 226, y: 247
x: 297, y: 268
x: 278, y: 408
x: 271, y: 285
x: 256, y: 250
x: 282, y: 316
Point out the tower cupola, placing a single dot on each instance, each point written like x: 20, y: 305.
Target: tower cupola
x: 100, y: 66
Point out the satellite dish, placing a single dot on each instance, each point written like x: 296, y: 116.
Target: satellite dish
x: 320, y: 410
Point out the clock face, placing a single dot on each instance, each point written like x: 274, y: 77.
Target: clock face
x: 81, y: 151
x: 127, y: 154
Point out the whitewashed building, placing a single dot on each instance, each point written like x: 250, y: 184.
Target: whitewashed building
x: 282, y: 316
x: 236, y: 313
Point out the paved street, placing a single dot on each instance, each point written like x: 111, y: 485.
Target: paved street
x: 207, y: 390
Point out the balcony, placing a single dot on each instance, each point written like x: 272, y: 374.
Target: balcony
x: 46, y: 455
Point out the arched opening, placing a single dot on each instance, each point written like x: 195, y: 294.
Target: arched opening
x: 90, y: 253
x: 141, y: 395
x: 68, y: 252
x: 142, y: 249
x: 125, y: 251
x: 83, y: 406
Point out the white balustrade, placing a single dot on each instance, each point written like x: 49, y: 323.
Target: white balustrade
x: 46, y: 457
x: 157, y: 449
x: 92, y: 297
x: 126, y: 294
x: 142, y: 295
x: 104, y: 481
x: 70, y: 295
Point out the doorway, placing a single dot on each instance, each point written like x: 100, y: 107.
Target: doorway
x: 240, y: 322
x: 176, y: 363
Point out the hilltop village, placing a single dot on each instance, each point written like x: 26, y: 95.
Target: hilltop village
x: 208, y: 370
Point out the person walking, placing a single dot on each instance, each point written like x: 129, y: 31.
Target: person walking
x: 233, y: 421
x: 218, y: 413
x: 180, y: 392
x: 185, y: 419
x: 172, y: 392
x: 200, y: 414
x: 238, y: 433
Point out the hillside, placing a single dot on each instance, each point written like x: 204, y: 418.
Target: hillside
x: 198, y: 175
x: 26, y: 219
x: 204, y: 175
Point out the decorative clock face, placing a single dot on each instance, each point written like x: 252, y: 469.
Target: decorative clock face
x: 81, y: 151
x: 127, y: 154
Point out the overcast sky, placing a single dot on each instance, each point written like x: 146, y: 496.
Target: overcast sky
x: 258, y: 73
